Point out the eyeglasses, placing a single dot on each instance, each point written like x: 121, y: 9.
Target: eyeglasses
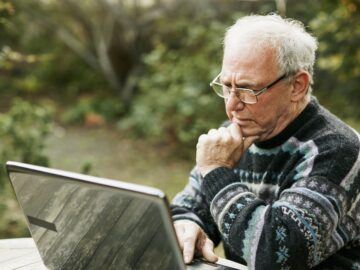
x: 246, y: 95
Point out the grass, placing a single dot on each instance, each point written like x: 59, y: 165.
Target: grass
x: 108, y: 154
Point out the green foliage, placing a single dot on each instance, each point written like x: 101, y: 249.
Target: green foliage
x: 16, y: 75
x: 106, y: 108
x: 175, y: 102
x: 12, y: 223
x: 338, y: 72
x: 23, y: 130
x: 158, y: 56
x: 34, y: 61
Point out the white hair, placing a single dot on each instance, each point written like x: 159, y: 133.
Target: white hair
x: 295, y: 48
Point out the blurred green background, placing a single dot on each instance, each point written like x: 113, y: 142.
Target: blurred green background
x: 120, y: 88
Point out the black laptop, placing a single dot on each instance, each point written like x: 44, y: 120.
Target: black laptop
x: 83, y: 222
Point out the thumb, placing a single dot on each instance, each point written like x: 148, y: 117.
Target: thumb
x: 248, y: 141
x: 236, y: 132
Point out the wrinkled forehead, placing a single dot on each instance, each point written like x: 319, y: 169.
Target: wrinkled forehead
x: 247, y: 50
x: 229, y: 76
x: 235, y: 78
x: 248, y: 60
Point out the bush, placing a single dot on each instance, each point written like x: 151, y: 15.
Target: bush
x: 106, y: 109
x: 338, y: 74
x: 23, y: 130
x: 175, y: 102
x: 12, y: 222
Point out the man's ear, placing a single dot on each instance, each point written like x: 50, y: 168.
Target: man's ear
x: 301, y: 85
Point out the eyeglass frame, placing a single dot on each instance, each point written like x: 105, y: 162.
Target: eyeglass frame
x: 255, y: 92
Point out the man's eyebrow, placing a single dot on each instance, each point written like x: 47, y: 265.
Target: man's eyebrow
x: 239, y: 83
x: 245, y: 84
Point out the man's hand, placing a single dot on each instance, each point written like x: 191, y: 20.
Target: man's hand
x: 193, y: 240
x: 221, y: 147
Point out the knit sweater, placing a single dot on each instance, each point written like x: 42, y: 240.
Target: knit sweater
x: 291, y: 202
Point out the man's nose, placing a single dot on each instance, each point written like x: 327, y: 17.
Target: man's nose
x: 233, y: 102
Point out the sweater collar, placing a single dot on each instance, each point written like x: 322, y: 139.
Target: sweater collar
x: 293, y: 127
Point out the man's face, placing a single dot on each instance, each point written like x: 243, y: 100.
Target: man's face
x: 244, y: 66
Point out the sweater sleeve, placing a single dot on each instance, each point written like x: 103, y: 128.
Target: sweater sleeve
x: 191, y: 204
x: 310, y: 221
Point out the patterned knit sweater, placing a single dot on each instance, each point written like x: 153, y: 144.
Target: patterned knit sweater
x: 292, y: 202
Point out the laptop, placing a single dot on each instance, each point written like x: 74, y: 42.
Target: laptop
x: 83, y: 222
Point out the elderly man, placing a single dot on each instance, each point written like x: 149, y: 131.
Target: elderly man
x: 279, y: 183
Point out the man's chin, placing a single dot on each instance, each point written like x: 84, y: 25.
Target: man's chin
x: 248, y: 128
x: 252, y: 132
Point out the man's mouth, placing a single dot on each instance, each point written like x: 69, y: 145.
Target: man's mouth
x: 240, y: 121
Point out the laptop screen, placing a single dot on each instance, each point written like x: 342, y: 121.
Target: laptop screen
x: 80, y: 222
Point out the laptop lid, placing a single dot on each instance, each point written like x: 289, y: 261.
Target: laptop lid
x: 79, y: 221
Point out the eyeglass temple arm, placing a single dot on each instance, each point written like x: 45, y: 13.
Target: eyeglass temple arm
x: 213, y: 81
x: 270, y: 85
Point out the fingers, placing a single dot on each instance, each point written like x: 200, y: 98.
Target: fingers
x: 212, y: 132
x: 208, y: 251
x: 221, y: 147
x: 187, y: 233
x: 232, y: 133
x: 214, y: 136
x: 205, y: 247
x: 179, y: 230
x: 248, y: 141
x: 236, y: 132
x: 193, y: 239
x: 221, y: 134
x: 202, y: 139
x: 225, y: 134
x: 189, y: 245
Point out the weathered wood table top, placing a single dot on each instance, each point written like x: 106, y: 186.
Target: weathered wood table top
x: 20, y: 253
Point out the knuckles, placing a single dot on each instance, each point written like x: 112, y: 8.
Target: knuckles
x: 202, y: 139
x: 219, y: 137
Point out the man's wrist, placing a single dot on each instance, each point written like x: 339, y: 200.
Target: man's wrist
x: 216, y: 180
x: 207, y: 169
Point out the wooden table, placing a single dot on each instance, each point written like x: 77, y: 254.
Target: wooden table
x: 20, y: 253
